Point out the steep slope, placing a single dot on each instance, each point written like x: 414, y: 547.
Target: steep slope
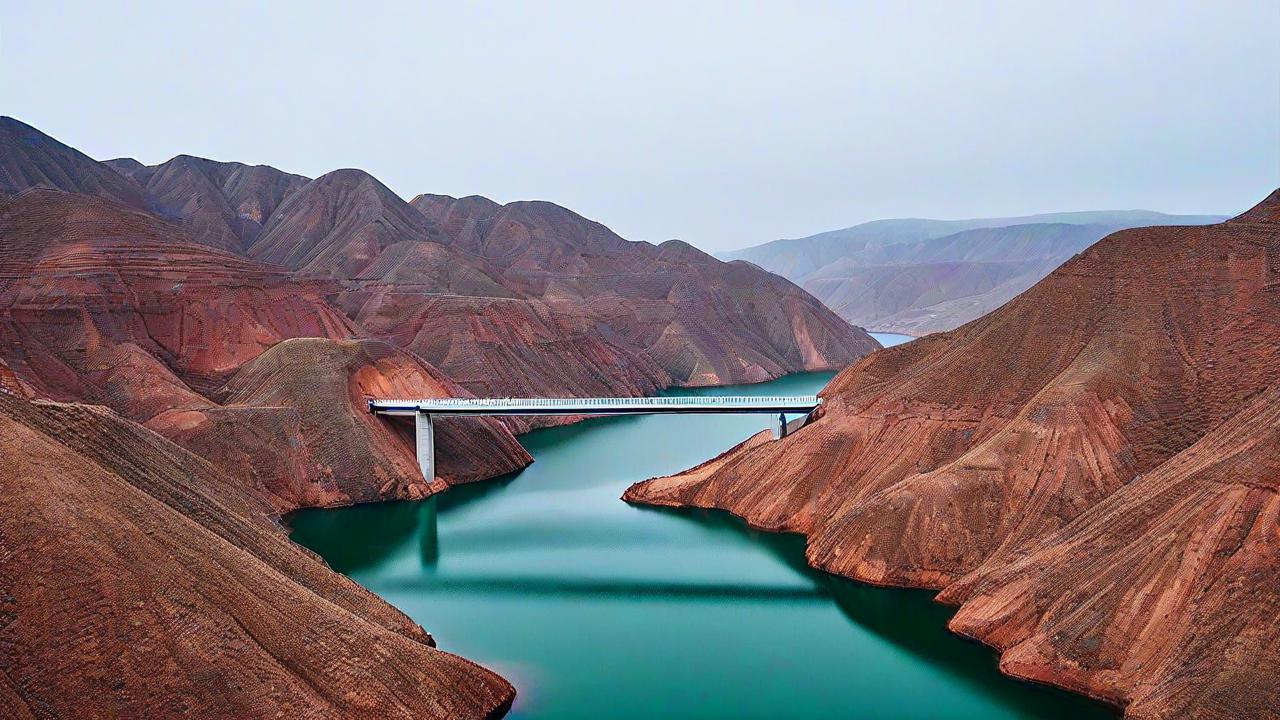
x: 131, y: 168
x: 1144, y: 365
x: 80, y: 274
x: 293, y: 422
x: 698, y: 320
x: 337, y: 224
x: 922, y: 276
x: 527, y: 298
x: 102, y: 304
x: 140, y: 582
x: 181, y: 190
x: 1190, y: 617
x: 223, y: 205
x: 31, y: 159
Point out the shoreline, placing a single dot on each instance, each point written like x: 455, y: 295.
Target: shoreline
x: 628, y: 497
x: 282, y: 517
x: 839, y: 601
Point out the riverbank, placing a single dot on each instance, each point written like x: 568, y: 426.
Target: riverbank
x: 595, y: 608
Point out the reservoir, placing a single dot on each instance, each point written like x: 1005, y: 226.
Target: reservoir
x: 594, y: 608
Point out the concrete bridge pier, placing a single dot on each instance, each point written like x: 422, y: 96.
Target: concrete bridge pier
x: 425, y: 442
x: 425, y: 411
x: 780, y: 426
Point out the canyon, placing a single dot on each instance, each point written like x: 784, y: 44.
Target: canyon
x: 1088, y: 473
x: 1091, y: 473
x: 185, y: 352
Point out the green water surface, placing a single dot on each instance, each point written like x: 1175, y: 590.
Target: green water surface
x: 594, y: 608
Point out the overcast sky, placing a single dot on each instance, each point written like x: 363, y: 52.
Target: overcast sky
x: 722, y: 124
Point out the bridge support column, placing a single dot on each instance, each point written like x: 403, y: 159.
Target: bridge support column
x: 425, y: 443
x: 780, y: 426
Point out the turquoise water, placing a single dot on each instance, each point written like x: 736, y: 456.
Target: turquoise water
x: 597, y: 609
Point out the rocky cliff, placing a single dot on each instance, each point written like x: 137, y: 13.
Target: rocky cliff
x: 1089, y: 472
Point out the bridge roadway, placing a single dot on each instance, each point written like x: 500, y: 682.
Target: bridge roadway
x: 599, y: 406
x: 425, y: 409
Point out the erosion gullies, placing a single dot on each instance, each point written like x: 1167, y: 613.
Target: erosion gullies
x: 1089, y: 471
x: 703, y: 321
x: 185, y: 352
x: 108, y: 305
x: 221, y: 204
x: 1179, y: 568
x: 140, y: 581
x: 31, y: 159
x: 80, y: 273
x: 155, y: 306
x: 337, y: 224
x: 505, y: 347
x: 530, y: 298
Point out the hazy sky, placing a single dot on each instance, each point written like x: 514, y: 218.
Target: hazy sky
x: 724, y: 124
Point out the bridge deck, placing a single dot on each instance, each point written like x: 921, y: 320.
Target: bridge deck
x: 598, y: 406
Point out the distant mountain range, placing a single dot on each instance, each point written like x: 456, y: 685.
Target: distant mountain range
x: 917, y: 276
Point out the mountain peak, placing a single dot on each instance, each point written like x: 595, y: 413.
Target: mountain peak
x: 1266, y: 211
x: 30, y: 158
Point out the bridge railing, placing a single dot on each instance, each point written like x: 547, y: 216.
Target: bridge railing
x: 697, y: 400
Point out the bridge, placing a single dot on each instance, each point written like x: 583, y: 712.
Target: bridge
x: 423, y: 411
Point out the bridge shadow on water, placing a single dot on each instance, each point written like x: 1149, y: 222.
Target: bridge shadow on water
x: 383, y: 527
x: 359, y: 538
x: 908, y: 619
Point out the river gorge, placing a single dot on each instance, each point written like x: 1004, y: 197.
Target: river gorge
x: 596, y: 608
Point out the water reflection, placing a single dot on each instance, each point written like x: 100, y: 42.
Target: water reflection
x: 359, y: 537
x: 626, y: 589
x: 882, y: 611
x: 595, y: 608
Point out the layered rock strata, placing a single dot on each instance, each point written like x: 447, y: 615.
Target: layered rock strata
x: 1089, y: 472
x: 139, y: 581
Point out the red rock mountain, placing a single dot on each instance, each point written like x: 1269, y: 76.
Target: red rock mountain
x: 223, y: 205
x: 152, y: 312
x: 31, y: 159
x: 1090, y: 472
x: 103, y: 304
x: 298, y: 399
x: 139, y: 581
x: 533, y: 299
x: 337, y: 224
x: 593, y: 313
x: 185, y: 353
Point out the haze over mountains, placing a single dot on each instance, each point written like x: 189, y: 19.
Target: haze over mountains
x: 1089, y: 471
x: 1092, y: 472
x: 917, y: 276
x: 185, y: 353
